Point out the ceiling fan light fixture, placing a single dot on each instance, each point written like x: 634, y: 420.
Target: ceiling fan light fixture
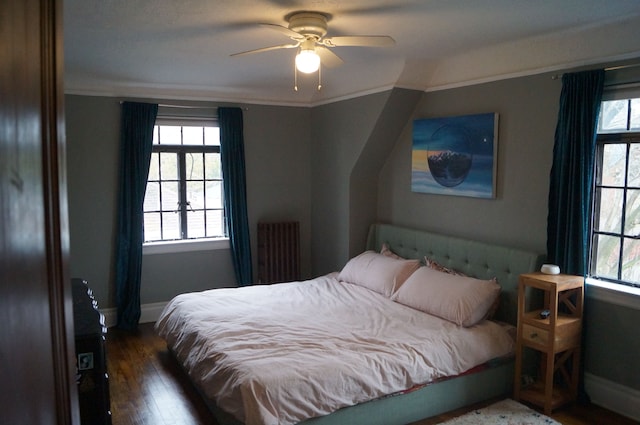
x: 307, y: 61
x: 307, y: 31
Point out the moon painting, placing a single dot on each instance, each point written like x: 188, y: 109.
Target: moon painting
x: 455, y: 155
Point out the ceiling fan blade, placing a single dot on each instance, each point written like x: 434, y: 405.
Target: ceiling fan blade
x: 266, y: 49
x: 284, y: 30
x: 359, y: 40
x: 328, y: 58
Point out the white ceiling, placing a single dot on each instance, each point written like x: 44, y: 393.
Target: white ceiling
x: 180, y: 48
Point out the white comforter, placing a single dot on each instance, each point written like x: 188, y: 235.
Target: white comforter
x: 283, y: 353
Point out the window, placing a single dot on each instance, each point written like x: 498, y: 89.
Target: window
x: 184, y: 197
x: 615, y: 244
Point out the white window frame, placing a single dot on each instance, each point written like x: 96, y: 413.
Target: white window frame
x: 610, y: 292
x: 185, y: 245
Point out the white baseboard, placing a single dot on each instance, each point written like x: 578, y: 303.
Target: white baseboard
x: 613, y: 396
x: 149, y: 313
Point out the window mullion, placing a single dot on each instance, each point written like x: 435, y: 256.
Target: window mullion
x: 595, y: 206
x: 160, y: 195
x: 623, y: 219
x: 183, y: 193
x: 205, y: 207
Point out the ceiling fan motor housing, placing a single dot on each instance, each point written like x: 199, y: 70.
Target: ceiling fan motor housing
x: 309, y: 24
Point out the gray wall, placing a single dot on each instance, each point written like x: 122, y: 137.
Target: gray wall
x: 527, y: 109
x: 92, y: 126
x: 339, y: 132
x: 612, y: 346
x: 278, y: 188
x: 350, y: 143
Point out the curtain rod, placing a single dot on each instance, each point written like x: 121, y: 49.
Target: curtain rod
x: 615, y: 68
x: 166, y: 105
x: 632, y: 83
x: 611, y: 68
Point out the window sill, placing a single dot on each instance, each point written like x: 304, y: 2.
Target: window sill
x: 614, y: 294
x: 184, y: 246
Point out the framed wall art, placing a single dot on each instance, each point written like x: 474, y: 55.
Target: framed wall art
x: 455, y: 155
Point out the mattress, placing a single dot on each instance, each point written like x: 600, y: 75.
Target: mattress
x: 283, y: 353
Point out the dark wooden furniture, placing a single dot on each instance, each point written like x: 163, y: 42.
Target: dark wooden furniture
x: 91, y: 361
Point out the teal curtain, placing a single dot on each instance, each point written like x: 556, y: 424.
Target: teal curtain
x: 570, y: 191
x: 235, y: 192
x: 136, y: 140
x: 571, y: 183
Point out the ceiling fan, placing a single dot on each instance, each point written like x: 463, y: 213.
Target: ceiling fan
x: 307, y: 30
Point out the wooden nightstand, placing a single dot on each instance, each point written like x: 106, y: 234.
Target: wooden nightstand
x: 557, y: 337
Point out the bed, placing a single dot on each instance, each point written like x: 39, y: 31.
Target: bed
x: 334, y: 369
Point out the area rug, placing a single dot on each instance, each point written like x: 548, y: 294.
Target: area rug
x: 505, y: 412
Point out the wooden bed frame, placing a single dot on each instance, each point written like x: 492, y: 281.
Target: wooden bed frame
x: 477, y: 259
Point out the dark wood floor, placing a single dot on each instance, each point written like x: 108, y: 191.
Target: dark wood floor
x: 148, y: 388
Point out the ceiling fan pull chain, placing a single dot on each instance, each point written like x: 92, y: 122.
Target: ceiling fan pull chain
x: 295, y: 77
x: 320, y: 76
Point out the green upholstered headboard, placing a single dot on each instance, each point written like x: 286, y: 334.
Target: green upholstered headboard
x: 473, y: 258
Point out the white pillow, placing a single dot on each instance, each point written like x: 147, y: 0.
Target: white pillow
x: 378, y: 272
x: 460, y: 299
x: 432, y: 264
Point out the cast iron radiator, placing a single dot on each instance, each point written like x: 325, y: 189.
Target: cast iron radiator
x: 278, y: 252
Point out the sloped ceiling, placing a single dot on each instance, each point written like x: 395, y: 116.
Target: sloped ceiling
x: 181, y: 48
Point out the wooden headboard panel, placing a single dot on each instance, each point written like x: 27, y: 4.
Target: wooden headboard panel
x: 477, y: 259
